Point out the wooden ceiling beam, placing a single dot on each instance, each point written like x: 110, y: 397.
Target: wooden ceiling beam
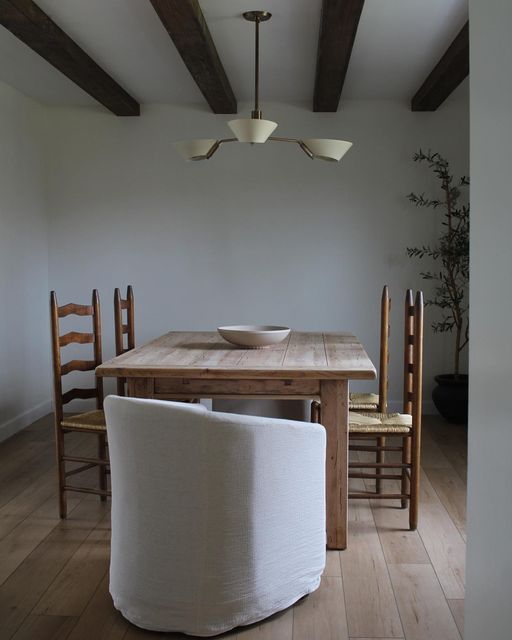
x: 31, y: 25
x: 446, y: 76
x: 338, y: 29
x: 186, y: 25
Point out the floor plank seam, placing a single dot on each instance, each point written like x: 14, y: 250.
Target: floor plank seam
x: 343, y: 588
x: 430, y: 558
x: 84, y: 541
x: 57, y: 523
x: 90, y: 599
x: 29, y: 613
x: 444, y: 594
x: 426, y: 470
x: 389, y: 575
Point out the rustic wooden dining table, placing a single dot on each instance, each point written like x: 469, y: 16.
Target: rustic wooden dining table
x: 307, y: 365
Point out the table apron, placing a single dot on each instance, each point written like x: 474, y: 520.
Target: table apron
x: 162, y: 388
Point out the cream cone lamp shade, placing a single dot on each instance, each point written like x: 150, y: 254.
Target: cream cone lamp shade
x: 195, y: 149
x: 326, y: 149
x: 252, y: 129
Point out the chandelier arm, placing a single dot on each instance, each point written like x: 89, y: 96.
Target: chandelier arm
x: 306, y: 149
x: 280, y: 139
x: 301, y: 144
x: 212, y: 150
x: 227, y: 140
x: 217, y: 145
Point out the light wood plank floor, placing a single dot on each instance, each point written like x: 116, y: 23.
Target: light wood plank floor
x: 389, y: 583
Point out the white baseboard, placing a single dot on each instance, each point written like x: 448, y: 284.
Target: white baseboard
x: 19, y: 422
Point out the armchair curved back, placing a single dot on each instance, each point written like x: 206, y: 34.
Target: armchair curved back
x: 218, y: 519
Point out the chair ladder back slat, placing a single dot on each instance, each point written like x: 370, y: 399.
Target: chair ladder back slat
x: 384, y: 350
x: 75, y: 309
x: 76, y: 337
x: 78, y: 365
x: 408, y: 351
x: 78, y: 394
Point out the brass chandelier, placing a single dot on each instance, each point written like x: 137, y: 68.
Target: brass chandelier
x: 256, y: 130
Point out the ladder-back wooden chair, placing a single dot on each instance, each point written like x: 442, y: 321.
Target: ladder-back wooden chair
x: 124, y: 328
x: 92, y: 422
x: 406, y: 426
x: 372, y: 401
x: 378, y: 401
x: 127, y: 329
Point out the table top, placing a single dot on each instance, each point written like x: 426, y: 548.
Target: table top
x: 197, y: 354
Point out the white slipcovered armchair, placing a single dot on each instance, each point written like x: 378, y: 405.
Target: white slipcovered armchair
x: 218, y: 520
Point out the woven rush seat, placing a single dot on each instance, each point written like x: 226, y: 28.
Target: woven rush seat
x: 363, y: 401
x: 380, y: 422
x: 91, y: 420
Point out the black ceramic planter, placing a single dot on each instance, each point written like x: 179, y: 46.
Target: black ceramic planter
x: 451, y: 397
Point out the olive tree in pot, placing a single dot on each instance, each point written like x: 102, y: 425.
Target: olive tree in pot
x: 450, y: 256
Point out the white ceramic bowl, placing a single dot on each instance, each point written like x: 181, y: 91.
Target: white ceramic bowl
x: 254, y: 336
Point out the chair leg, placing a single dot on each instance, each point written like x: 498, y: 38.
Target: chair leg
x: 415, y: 484
x: 61, y: 471
x: 406, y: 459
x: 121, y: 390
x: 315, y: 412
x: 379, y: 458
x: 102, y: 455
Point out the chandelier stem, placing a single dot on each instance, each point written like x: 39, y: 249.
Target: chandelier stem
x: 256, y: 114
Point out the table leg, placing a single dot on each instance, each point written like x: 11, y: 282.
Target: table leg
x: 334, y: 397
x: 141, y: 387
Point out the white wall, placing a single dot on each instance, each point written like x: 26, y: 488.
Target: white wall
x: 24, y: 345
x: 489, y: 575
x: 256, y: 235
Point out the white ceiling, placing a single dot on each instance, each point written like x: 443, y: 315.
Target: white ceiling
x: 397, y: 44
